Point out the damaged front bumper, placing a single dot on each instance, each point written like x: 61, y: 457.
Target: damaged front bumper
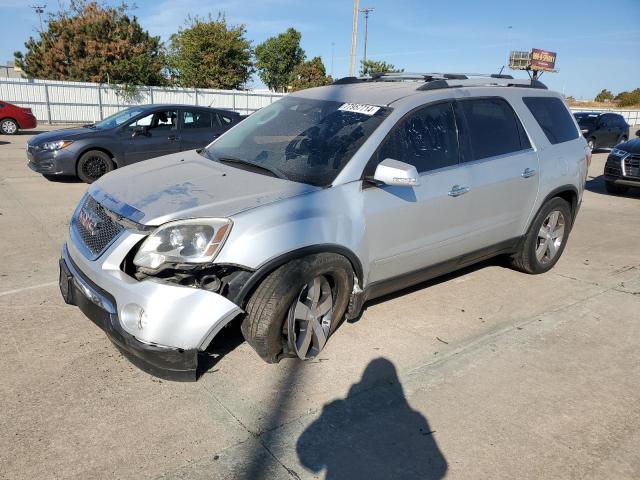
x: 160, y: 328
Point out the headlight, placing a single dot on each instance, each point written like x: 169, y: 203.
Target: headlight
x: 57, y: 145
x: 184, y: 241
x: 618, y: 153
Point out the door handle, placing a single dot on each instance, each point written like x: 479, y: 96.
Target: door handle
x: 528, y: 172
x: 173, y: 138
x: 457, y: 190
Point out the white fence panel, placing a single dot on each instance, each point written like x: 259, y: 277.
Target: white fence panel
x: 79, y: 102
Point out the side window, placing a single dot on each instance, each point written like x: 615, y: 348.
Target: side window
x: 490, y: 128
x: 196, y: 119
x: 157, y: 121
x: 426, y: 139
x: 224, y: 120
x: 553, y: 117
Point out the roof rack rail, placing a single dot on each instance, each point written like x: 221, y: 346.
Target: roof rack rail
x: 434, y: 81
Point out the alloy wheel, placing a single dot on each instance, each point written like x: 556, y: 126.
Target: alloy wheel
x: 310, y: 317
x: 9, y: 127
x: 94, y: 167
x: 550, y: 237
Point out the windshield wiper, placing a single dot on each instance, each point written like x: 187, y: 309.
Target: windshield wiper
x: 240, y: 161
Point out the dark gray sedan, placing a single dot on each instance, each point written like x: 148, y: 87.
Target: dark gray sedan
x: 129, y: 136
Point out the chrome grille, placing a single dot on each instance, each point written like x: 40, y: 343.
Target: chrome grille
x: 94, y: 228
x: 632, y: 166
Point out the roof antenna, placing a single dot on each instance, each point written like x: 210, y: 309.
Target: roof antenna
x: 501, y: 69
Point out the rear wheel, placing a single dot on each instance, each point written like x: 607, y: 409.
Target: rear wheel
x: 546, y: 239
x: 296, y: 308
x: 591, y: 143
x: 8, y: 126
x: 94, y: 164
x: 614, y: 189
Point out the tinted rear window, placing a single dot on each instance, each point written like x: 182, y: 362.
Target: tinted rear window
x: 491, y: 129
x: 553, y: 117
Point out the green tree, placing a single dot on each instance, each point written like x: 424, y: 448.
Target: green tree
x: 629, y: 99
x: 90, y: 42
x: 368, y: 66
x: 604, y: 96
x: 277, y: 58
x: 310, y: 74
x: 210, y: 54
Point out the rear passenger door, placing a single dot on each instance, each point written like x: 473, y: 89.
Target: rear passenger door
x: 410, y: 228
x: 199, y: 127
x: 502, y: 167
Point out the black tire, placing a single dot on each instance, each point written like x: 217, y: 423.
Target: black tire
x: 614, y: 189
x: 591, y: 142
x: 8, y: 126
x: 93, y: 164
x: 264, y: 326
x: 623, y: 139
x: 525, y: 259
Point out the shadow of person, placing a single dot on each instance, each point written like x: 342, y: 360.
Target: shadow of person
x: 372, y: 434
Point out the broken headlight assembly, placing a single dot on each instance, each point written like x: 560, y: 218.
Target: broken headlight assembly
x: 195, y: 241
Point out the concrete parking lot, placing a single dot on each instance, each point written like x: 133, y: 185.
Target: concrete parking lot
x: 486, y: 373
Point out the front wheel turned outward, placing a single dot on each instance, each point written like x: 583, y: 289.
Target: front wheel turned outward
x: 298, y: 306
x: 544, y: 243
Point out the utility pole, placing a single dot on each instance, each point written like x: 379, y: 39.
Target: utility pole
x: 366, y: 12
x: 333, y: 49
x: 354, y: 36
x: 39, y: 9
x: 509, y: 29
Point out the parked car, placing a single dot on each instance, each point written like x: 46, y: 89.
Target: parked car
x: 131, y: 135
x: 14, y: 118
x: 317, y: 203
x: 602, y: 130
x: 622, y: 170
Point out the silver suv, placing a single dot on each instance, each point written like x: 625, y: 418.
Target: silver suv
x: 327, y: 198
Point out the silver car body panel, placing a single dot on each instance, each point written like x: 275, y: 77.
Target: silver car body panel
x: 390, y: 230
x: 176, y: 316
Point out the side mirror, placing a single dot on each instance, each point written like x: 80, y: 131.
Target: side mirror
x: 397, y: 173
x: 140, y: 130
x: 638, y: 133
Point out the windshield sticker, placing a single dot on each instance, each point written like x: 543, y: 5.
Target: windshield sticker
x: 359, y: 108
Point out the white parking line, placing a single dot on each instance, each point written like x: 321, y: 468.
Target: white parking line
x: 33, y: 287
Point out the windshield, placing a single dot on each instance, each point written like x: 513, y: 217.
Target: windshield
x: 119, y: 118
x: 300, y: 139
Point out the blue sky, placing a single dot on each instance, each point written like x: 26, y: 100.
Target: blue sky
x: 597, y: 42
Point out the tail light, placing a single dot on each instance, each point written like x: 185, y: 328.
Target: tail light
x: 27, y: 110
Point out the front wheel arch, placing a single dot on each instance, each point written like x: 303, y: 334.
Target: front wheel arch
x: 271, y: 265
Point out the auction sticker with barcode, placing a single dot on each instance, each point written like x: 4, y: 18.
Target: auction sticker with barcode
x: 359, y: 108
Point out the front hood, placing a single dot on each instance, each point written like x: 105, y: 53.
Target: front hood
x: 64, y: 134
x: 187, y: 185
x: 632, y: 146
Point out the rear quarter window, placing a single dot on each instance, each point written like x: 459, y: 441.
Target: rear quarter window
x: 553, y: 118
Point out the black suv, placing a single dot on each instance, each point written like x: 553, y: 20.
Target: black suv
x: 602, y: 130
x: 622, y: 169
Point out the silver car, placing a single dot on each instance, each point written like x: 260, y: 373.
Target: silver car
x: 327, y: 198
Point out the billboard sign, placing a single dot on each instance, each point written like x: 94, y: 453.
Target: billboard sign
x: 542, y: 60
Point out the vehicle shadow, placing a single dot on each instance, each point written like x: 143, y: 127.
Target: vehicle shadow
x: 499, y: 261
x: 62, y: 179
x: 596, y: 185
x: 373, y: 433
x: 4, y: 143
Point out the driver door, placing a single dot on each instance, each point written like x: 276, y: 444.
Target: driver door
x: 414, y: 227
x: 152, y: 135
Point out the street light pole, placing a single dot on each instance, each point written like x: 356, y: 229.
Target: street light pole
x: 39, y: 9
x: 366, y: 12
x: 354, y: 36
x: 333, y: 49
